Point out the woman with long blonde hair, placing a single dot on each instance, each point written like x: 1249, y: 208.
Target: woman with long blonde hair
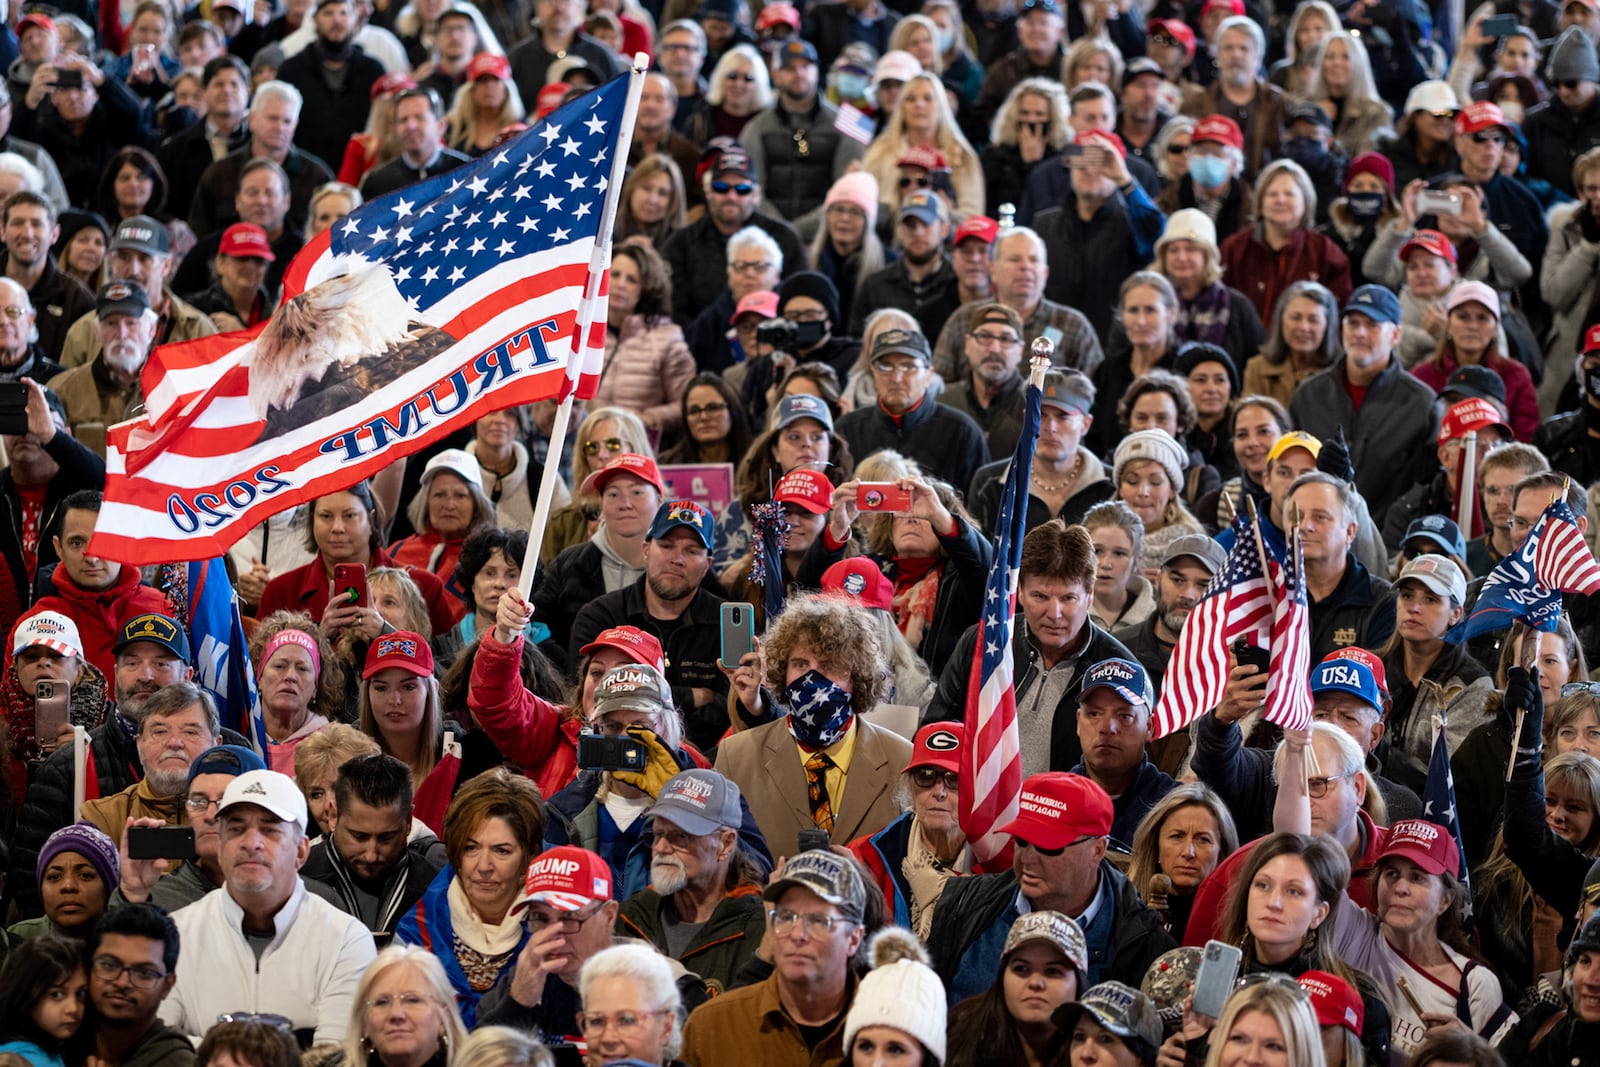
x: 1030, y: 128
x: 922, y: 118
x: 484, y: 106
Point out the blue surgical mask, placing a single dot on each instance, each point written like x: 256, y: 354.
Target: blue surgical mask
x: 1209, y: 172
x: 1365, y: 205
x: 943, y: 39
x: 819, y: 711
x: 850, y: 86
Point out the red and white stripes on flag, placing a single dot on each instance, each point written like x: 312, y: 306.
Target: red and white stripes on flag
x: 1562, y: 560
x: 1237, y: 604
x: 1289, y: 669
x: 412, y: 317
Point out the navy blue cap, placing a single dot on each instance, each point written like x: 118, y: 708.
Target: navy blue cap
x: 162, y: 629
x: 1375, y: 302
x: 675, y: 513
x: 225, y: 759
x: 1439, y: 530
x: 1123, y: 676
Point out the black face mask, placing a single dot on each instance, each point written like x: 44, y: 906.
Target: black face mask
x: 1591, y: 389
x: 334, y: 50
x: 809, y: 334
x: 1365, y: 205
x: 1306, y: 151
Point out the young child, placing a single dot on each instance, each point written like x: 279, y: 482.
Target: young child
x: 43, y: 990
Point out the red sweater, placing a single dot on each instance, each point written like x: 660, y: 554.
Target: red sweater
x: 1522, y: 400
x: 1252, y: 267
x: 307, y: 589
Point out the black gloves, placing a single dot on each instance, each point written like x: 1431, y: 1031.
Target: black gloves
x: 1334, y: 458
x: 1523, y: 693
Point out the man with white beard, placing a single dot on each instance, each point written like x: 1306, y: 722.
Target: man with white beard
x: 703, y: 906
x: 1242, y: 94
x: 106, y: 390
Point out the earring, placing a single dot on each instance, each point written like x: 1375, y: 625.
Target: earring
x: 1310, y: 945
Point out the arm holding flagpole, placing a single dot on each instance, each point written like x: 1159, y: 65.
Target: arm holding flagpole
x: 589, y: 312
x: 1554, y: 867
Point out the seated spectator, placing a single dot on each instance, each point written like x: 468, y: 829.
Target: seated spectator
x: 316, y: 768
x: 993, y: 394
x: 378, y: 143
x: 76, y: 872
x: 1187, y: 567
x: 46, y: 647
x: 1440, y: 495
x: 913, y: 857
x: 1208, y: 310
x: 419, y: 124
x: 238, y: 299
x: 1043, y: 967
x: 1342, y: 86
x: 921, y: 119
x: 715, y: 427
x: 810, y: 302
x: 755, y: 265
x: 1498, y: 475
x: 1030, y: 127
x: 1368, y: 203
x: 330, y: 202
x: 626, y: 981
x: 177, y: 725
x: 107, y: 389
x: 899, y: 1004
x: 133, y: 956
x: 485, y: 106
x: 1472, y: 321
x: 923, y: 280
x: 133, y: 183
x: 821, y: 896
x: 703, y: 904
x: 1213, y: 183
x: 493, y: 829
x: 299, y: 679
x: 647, y: 360
x: 490, y: 563
x: 1301, y: 342
x: 247, y: 1044
x: 1213, y: 379
x: 310, y: 964
x: 1162, y: 400
x: 404, y: 1011
x: 1281, y: 247
x: 264, y: 197
x: 1058, y: 865
x: 147, y: 880
x: 399, y: 701
x: 806, y: 497
x: 449, y: 507
x: 42, y: 995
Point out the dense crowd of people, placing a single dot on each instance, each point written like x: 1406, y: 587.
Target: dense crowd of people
x: 698, y: 799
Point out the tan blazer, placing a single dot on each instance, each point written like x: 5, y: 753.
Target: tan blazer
x: 765, y: 764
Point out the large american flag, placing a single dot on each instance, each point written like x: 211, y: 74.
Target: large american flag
x: 1528, y: 584
x: 1289, y: 672
x: 991, y: 761
x: 490, y: 268
x: 1237, y: 603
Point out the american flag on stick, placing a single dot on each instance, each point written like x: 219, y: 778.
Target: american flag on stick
x: 1237, y: 604
x: 1289, y: 668
x: 410, y: 318
x: 1527, y: 584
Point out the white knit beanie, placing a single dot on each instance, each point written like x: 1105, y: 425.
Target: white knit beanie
x: 901, y: 991
x: 1156, y: 445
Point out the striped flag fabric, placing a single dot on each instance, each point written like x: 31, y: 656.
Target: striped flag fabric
x: 1527, y: 585
x: 991, y: 761
x: 410, y: 318
x: 1237, y: 604
x: 854, y: 123
x: 1289, y: 667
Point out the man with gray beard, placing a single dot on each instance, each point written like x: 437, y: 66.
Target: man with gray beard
x: 703, y: 906
x: 106, y: 390
x: 1188, y: 568
x: 180, y: 722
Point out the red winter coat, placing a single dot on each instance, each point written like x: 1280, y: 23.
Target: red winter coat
x: 1252, y: 267
x: 1522, y: 399
x: 526, y: 728
x: 100, y: 615
x: 307, y: 589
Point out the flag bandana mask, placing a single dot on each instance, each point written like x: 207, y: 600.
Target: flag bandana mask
x: 819, y: 711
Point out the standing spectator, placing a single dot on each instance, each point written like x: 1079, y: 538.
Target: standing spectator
x: 557, y: 26
x: 309, y: 967
x: 1040, y: 27
x: 1503, y: 204
x: 993, y: 395
x: 31, y: 152
x: 738, y: 89
x: 834, y: 24
x: 486, y: 106
x: 57, y: 299
x: 1281, y: 247
x: 653, y: 200
x: 1209, y: 310
x: 1341, y: 590
x: 921, y: 120
x: 419, y: 124
x: 793, y: 145
x: 90, y: 119
x: 1472, y: 321
x: 132, y: 184
x: 1301, y: 342
x: 449, y: 507
x: 1566, y: 276
x: 1241, y: 94
x: 335, y: 79
x: 680, y: 51
x: 922, y: 282
x: 1029, y: 128
x: 1113, y: 729
x: 1212, y: 182
x: 1142, y: 116
x: 178, y: 725
x: 272, y: 123
x: 263, y: 198
x: 1344, y: 89
x: 654, y: 134
x: 1567, y: 125
x: 1423, y: 144
x: 107, y: 390
x: 847, y: 249
x: 1367, y: 204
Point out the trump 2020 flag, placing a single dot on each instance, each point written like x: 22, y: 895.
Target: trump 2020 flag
x: 1528, y: 584
x: 991, y: 761
x: 408, y: 319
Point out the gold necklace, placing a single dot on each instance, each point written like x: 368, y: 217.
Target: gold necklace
x: 1072, y: 477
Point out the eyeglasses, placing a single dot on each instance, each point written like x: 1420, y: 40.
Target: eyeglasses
x: 677, y: 840
x: 1442, y: 115
x: 1274, y: 978
x: 674, y: 47
x: 846, y: 211
x: 986, y: 338
x: 749, y: 266
x: 783, y: 922
x: 916, y: 183
x: 1486, y: 137
x: 740, y: 76
x: 13, y: 312
x: 1165, y: 41
x: 569, y: 924
x: 199, y: 803
x: 1586, y: 688
x: 1569, y: 84
x: 610, y: 444
x: 140, y: 975
x: 410, y: 1003
x: 705, y: 409
x: 742, y: 188
x: 928, y: 777
x: 161, y: 733
x: 1318, y: 787
x: 625, y: 1022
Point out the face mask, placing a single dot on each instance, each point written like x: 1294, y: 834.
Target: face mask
x: 943, y: 39
x: 819, y: 711
x: 1365, y: 205
x: 1591, y: 382
x: 850, y: 86
x: 1208, y: 172
x: 808, y: 334
x: 1513, y: 110
x: 1306, y: 151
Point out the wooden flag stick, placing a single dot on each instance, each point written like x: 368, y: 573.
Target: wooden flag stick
x: 1261, y: 546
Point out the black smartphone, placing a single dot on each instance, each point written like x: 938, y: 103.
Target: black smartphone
x: 811, y: 840
x: 69, y: 78
x: 1250, y: 654
x: 161, y: 843
x: 597, y: 752
x: 1497, y: 26
x: 567, y: 1055
x: 13, y: 408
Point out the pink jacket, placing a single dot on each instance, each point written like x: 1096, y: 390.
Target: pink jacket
x: 646, y: 370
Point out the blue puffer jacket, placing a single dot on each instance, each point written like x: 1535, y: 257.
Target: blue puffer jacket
x: 428, y: 924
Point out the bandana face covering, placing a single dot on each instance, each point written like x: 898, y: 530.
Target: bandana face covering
x: 819, y: 711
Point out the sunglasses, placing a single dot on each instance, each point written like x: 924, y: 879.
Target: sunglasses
x: 928, y: 777
x: 1569, y: 84
x: 916, y: 183
x: 740, y: 76
x: 1177, y: 149
x: 611, y: 444
x: 1041, y: 850
x: 1451, y: 115
x: 742, y: 188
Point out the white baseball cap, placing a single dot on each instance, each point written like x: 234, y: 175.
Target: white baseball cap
x: 275, y: 792
x: 48, y: 629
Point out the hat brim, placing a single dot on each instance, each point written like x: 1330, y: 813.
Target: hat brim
x: 1116, y: 687
x: 1434, y: 583
x: 1343, y: 687
x: 686, y: 818
x: 1422, y: 858
x: 1046, y: 835
x: 557, y: 899
x: 951, y: 762
x: 775, y: 891
x: 1067, y: 1015
x: 621, y: 646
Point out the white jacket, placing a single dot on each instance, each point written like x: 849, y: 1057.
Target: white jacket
x: 308, y: 973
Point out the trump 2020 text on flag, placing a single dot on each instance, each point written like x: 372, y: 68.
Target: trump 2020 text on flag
x: 408, y: 319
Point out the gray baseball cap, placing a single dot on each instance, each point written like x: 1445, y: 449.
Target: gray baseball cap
x: 1119, y: 1008
x: 700, y: 802
x: 828, y: 875
x: 1203, y: 548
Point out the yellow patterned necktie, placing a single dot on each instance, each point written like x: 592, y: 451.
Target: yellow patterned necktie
x: 817, y: 766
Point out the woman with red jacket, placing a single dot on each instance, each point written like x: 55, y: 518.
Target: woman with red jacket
x: 1282, y: 247
x: 1471, y: 336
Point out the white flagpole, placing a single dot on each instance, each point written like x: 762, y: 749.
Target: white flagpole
x: 599, y: 264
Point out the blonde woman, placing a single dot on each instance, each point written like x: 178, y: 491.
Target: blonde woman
x: 404, y: 1014
x: 1267, y: 1021
x: 484, y: 106
x: 330, y: 203
x: 653, y: 202
x: 1091, y: 59
x: 739, y: 87
x: 603, y: 435
x: 1312, y: 23
x: 1342, y: 85
x: 919, y: 35
x: 1030, y: 127
x: 922, y: 118
x: 316, y: 765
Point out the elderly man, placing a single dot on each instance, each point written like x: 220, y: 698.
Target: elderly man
x: 1393, y: 423
x: 652, y: 129
x: 1068, y: 479
x: 570, y: 911
x: 420, y: 127
x: 668, y: 600
x: 796, y: 1017
x: 174, y: 887
x: 90, y: 118
x: 755, y: 267
x: 703, y: 906
x: 698, y: 253
x: 179, y: 723
x: 1186, y: 570
x: 133, y: 955
x: 261, y: 199
x: 262, y: 943
x: 1051, y: 652
x: 944, y: 441
x: 274, y: 117
x: 1093, y: 111
x: 1214, y: 186
x: 140, y: 252
x: 1113, y: 731
x: 54, y: 300
x: 1258, y: 106
x: 1058, y: 864
x: 1343, y: 593
x: 1019, y: 270
x: 923, y: 281
x: 1041, y: 27
x: 107, y: 390
x: 20, y: 355
x: 372, y: 866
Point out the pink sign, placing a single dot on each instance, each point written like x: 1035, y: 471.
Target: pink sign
x: 708, y: 484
